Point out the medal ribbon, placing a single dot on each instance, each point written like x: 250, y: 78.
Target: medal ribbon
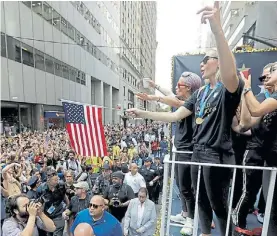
x: 267, y: 94
x: 203, y: 101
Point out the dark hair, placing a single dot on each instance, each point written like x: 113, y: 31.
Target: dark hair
x: 71, y: 151
x: 143, y: 190
x: 12, y: 204
x: 50, y: 173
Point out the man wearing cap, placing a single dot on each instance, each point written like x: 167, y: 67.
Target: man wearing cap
x: 150, y: 176
x: 118, y: 195
x: 33, y: 183
x: 80, y: 201
x: 102, y: 181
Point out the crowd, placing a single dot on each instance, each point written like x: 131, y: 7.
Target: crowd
x: 43, y: 177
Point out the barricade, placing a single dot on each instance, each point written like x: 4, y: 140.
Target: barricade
x: 165, y: 216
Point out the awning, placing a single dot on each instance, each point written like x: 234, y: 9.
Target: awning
x: 54, y: 114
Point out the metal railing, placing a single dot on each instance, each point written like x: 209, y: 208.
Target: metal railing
x: 165, y: 218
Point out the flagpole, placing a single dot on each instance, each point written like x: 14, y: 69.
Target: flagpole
x: 80, y: 103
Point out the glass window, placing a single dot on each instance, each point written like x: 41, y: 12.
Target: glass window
x: 27, y: 55
x: 49, y: 64
x: 37, y: 7
x: 71, y: 31
x: 47, y: 12
x: 56, y: 19
x: 65, y: 71
x: 64, y: 25
x: 78, y: 37
x: 27, y: 3
x: 89, y: 47
x: 81, y: 8
x: 58, y: 68
x: 84, y: 42
x: 72, y: 74
x: 39, y: 60
x: 3, y: 45
x: 78, y: 77
x: 14, y: 49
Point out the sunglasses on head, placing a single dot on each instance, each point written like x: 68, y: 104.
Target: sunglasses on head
x: 94, y: 206
x: 205, y: 59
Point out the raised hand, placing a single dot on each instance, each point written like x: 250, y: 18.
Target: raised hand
x: 247, y: 81
x: 144, y: 96
x: 212, y: 14
x: 134, y: 112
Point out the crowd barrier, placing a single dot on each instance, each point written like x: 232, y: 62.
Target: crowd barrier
x: 167, y: 193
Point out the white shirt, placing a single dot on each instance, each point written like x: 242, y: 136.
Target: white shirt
x: 135, y: 181
x: 147, y: 138
x: 140, y: 214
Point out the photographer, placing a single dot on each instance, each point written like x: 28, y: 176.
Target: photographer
x: 26, y: 218
x: 52, y: 193
x: 118, y: 195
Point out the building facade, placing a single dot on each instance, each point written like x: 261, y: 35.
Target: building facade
x: 63, y: 50
x: 243, y: 20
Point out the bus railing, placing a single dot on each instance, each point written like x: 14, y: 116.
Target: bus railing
x: 165, y: 215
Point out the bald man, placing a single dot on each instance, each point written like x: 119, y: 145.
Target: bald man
x: 134, y: 179
x: 95, y: 220
x: 84, y: 229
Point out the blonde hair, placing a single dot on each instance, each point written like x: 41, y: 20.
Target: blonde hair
x: 269, y: 65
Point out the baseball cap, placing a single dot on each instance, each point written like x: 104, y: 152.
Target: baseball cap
x: 106, y: 166
x: 82, y: 184
x: 148, y: 159
x: 33, y: 180
x: 118, y: 174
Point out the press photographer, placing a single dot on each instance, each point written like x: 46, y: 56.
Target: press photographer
x: 118, y: 195
x: 55, y: 200
x: 26, y: 218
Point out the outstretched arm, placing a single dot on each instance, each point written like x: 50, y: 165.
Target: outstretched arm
x: 227, y: 64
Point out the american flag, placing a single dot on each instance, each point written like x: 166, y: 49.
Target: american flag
x: 85, y: 129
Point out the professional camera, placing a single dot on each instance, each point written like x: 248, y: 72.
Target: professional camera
x: 42, y: 199
x: 116, y: 202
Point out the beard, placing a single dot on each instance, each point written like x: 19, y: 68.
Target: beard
x: 24, y: 215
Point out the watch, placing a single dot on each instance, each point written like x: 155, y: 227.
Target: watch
x: 246, y: 90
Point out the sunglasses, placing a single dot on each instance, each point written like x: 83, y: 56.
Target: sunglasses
x: 94, y: 206
x: 205, y: 59
x: 179, y: 85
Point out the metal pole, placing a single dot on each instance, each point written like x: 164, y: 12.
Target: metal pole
x: 19, y: 117
x: 164, y: 196
x: 195, y: 221
x: 170, y: 193
x: 271, y: 187
x: 231, y: 201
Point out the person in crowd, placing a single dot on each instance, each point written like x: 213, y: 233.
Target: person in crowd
x: 69, y: 188
x: 137, y: 160
x: 33, y: 183
x: 26, y: 217
x: 141, y: 217
x: 72, y: 164
x: 10, y: 183
x: 102, y: 222
x: 267, y: 110
x: 84, y: 229
x: 159, y: 170
x: 118, y: 196
x: 214, y: 106
x: 55, y: 200
x: 150, y: 175
x: 103, y: 181
x: 134, y: 179
x: 117, y: 164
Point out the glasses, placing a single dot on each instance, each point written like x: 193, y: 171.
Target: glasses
x: 205, y: 59
x: 69, y: 176
x: 94, y: 206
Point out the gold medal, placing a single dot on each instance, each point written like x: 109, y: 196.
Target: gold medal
x: 199, y: 120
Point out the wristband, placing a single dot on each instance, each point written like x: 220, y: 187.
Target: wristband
x: 246, y: 90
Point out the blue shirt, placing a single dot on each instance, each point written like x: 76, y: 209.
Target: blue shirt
x: 108, y: 225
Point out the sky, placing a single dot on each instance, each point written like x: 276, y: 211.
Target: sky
x: 177, y: 32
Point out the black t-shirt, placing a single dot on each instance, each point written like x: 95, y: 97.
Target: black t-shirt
x: 265, y: 132
x: 257, y: 133
x: 183, y: 134
x: 215, y: 131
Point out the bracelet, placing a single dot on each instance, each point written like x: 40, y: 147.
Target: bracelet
x: 159, y: 99
x: 246, y: 90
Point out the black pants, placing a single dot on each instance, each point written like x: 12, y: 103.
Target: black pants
x: 214, y: 187
x: 156, y: 191
x: 272, y: 229
x: 252, y: 181
x: 261, y: 204
x: 183, y: 180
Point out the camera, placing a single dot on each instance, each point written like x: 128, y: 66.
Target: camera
x: 42, y: 199
x: 116, y: 202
